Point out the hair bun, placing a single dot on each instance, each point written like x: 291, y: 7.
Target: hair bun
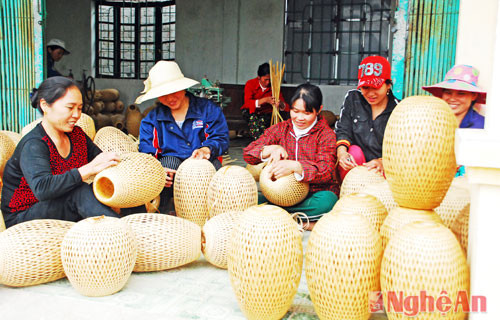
x: 33, y: 97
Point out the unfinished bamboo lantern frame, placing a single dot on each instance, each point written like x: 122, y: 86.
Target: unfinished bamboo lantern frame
x: 337, y: 243
x: 98, y: 255
x: 14, y: 136
x: 138, y: 178
x: 419, y: 151
x: 164, y: 241
x: 285, y: 191
x: 367, y: 205
x: 30, y: 252
x: 216, y: 236
x: 87, y: 124
x: 425, y: 256
x: 255, y: 170
x: 358, y: 178
x: 232, y: 188
x: 382, y: 192
x: 276, y: 76
x: 190, y: 189
x: 454, y: 202
x: 7, y: 147
x: 111, y: 139
x: 2, y: 222
x: 265, y: 261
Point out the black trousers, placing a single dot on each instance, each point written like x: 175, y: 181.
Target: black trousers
x: 78, y: 204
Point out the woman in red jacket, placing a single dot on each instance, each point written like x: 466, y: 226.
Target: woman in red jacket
x: 305, y: 146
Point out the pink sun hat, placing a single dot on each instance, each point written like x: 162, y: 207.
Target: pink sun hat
x: 460, y: 77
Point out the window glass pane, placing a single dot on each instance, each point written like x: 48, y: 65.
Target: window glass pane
x: 106, y: 49
x: 147, y: 52
x: 127, y: 15
x: 127, y: 69
x: 127, y: 51
x: 168, y: 51
x: 145, y: 67
x: 127, y: 33
x: 147, y: 16
x: 147, y: 34
x: 106, y: 67
x: 105, y: 14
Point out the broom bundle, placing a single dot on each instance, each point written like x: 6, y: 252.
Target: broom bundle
x: 276, y: 78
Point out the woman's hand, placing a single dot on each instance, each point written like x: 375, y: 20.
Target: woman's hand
x: 201, y: 153
x: 170, y: 177
x: 346, y: 160
x: 103, y: 161
x: 283, y: 168
x: 274, y: 153
x: 375, y: 164
x: 265, y: 100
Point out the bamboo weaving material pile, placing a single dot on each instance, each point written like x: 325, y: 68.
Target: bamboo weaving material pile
x: 276, y: 78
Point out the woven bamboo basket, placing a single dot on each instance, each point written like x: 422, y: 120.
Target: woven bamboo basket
x: 163, y: 241
x: 98, y: 255
x: 424, y: 256
x: 2, y: 222
x: 87, y: 124
x: 111, y: 139
x: 232, y: 188
x: 460, y: 228
x: 454, y: 202
x: 255, y: 170
x: 382, y: 192
x: 7, y: 147
x: 419, y: 151
x: 343, y: 258
x: 216, y: 235
x: 30, y: 252
x: 153, y: 205
x: 190, y: 190
x: 357, y: 179
x: 133, y: 117
x: 14, y: 136
x: 367, y: 205
x: 27, y: 128
x: 138, y: 178
x: 399, y: 217
x: 285, y: 191
x: 265, y: 261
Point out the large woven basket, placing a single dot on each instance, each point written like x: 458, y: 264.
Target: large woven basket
x: 367, y: 205
x: 454, y: 202
x: 232, y: 188
x: 163, y: 241
x: 216, y: 235
x: 111, y: 139
x: 138, y: 178
x: 14, y: 136
x: 418, y: 153
x: 265, y: 261
x: 424, y: 257
x: 399, y: 217
x: 255, y: 170
x: 27, y: 128
x: 2, y: 222
x: 285, y: 191
x: 87, y: 124
x: 190, y: 190
x: 30, y: 252
x: 7, y: 147
x: 460, y: 228
x: 357, y: 179
x: 382, y: 192
x: 98, y: 255
x: 343, y: 259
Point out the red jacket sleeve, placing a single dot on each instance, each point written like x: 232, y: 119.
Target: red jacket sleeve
x: 250, y: 95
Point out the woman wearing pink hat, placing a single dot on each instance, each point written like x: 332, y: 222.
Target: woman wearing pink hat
x: 364, y: 116
x: 460, y: 90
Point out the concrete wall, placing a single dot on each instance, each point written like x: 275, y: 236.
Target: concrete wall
x: 225, y: 40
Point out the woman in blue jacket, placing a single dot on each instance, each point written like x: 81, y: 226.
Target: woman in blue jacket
x: 182, y: 126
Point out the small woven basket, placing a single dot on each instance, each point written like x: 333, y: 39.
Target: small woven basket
x: 190, y: 190
x: 382, y: 192
x: 454, y: 202
x: 27, y: 128
x: 460, y: 228
x: 343, y: 259
x: 232, y: 188
x: 265, y: 261
x: 163, y: 241
x: 30, y: 252
x: 87, y: 124
x: 367, y: 205
x: 7, y: 147
x: 98, y: 255
x: 216, y: 235
x: 111, y: 139
x: 138, y: 178
x: 399, y: 217
x: 255, y: 170
x: 419, y: 151
x: 285, y: 191
x: 357, y: 179
x: 424, y: 257
x: 14, y: 136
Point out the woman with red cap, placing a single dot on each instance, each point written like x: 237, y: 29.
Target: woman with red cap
x: 364, y: 116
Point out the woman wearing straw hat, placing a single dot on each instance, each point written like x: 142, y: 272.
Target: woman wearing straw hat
x: 182, y: 126
x: 363, y: 117
x: 460, y: 90
x: 56, y: 49
x: 44, y: 178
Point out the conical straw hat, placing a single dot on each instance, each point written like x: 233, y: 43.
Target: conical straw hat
x: 285, y: 191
